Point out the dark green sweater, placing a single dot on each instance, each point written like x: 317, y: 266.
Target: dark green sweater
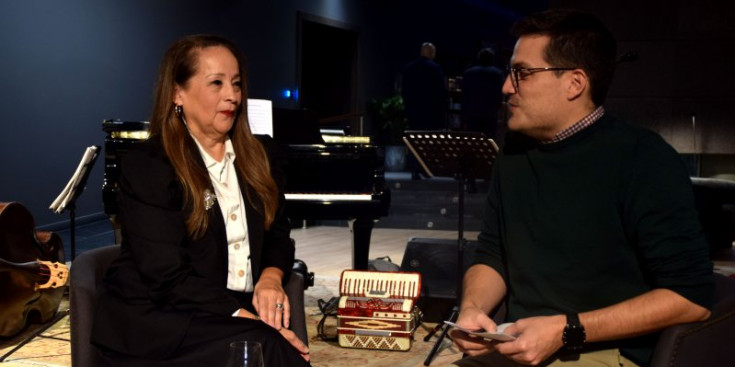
x: 600, y: 217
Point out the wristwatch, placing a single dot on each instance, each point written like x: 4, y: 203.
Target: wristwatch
x: 574, y: 334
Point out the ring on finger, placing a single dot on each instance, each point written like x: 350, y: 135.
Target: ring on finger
x: 279, y: 306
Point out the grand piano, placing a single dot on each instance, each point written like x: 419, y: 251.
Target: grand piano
x: 338, y: 179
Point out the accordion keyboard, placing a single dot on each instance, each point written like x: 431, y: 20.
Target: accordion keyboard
x: 380, y: 284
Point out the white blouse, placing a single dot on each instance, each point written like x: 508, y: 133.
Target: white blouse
x: 229, y: 196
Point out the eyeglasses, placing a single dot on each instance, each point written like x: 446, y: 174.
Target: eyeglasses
x: 518, y: 74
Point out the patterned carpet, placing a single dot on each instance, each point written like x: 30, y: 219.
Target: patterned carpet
x: 330, y: 354
x: 52, y: 347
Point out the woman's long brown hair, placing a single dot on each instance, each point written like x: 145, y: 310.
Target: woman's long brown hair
x: 178, y: 66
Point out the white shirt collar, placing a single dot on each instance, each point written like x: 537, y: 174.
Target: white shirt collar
x: 209, y: 162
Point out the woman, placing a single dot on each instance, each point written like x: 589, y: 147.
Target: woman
x: 206, y: 245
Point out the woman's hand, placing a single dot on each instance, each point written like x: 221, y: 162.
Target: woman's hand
x: 296, y: 342
x: 246, y: 314
x: 270, y: 300
x: 287, y: 334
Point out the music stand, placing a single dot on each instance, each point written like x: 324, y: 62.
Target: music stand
x: 77, y: 183
x: 461, y: 155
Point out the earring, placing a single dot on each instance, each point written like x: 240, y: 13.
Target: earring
x: 178, y: 110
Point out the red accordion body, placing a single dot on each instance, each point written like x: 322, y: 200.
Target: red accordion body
x: 377, y: 309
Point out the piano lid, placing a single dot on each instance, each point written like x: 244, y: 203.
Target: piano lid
x: 296, y: 127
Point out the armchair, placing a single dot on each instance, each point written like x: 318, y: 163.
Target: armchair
x: 87, y: 272
x: 705, y: 343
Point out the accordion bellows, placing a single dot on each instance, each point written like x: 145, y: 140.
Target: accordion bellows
x: 377, y: 309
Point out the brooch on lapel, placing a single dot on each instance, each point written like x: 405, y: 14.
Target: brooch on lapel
x: 209, y: 199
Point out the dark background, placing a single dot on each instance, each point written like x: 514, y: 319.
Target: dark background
x: 68, y: 65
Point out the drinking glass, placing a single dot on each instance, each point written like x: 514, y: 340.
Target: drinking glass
x: 245, y: 354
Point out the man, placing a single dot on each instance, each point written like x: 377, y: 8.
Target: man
x: 590, y: 236
x: 481, y: 94
x: 424, y: 93
x: 481, y: 99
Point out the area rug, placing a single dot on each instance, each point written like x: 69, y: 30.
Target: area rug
x: 52, y: 347
x: 330, y: 354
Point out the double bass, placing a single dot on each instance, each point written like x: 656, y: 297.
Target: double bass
x: 32, y: 271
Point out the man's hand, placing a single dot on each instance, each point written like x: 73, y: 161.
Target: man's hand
x: 473, y: 318
x: 537, y: 339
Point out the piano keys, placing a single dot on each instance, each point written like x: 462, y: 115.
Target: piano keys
x: 329, y: 197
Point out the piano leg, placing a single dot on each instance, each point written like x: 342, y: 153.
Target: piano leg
x: 362, y: 228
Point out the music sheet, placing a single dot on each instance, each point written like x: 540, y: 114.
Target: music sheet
x: 447, y: 153
x: 260, y: 116
x: 67, y: 194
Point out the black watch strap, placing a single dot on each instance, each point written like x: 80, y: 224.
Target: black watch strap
x: 574, y: 335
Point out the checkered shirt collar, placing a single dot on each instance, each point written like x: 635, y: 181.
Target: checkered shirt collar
x: 582, y: 124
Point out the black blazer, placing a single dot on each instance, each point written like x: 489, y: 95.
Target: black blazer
x: 162, y: 277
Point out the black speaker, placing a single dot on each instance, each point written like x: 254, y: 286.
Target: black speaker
x: 436, y: 261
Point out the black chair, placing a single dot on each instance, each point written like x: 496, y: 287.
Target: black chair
x: 87, y: 272
x: 705, y: 343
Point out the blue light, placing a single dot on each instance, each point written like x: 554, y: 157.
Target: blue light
x: 290, y: 94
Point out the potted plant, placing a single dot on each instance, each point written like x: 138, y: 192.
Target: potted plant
x: 389, y: 113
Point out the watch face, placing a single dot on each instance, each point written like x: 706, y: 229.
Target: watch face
x: 574, y: 337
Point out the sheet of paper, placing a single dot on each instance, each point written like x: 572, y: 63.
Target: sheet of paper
x: 260, y: 116
x: 67, y: 194
x: 499, y: 335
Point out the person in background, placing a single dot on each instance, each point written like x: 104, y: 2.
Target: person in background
x: 424, y: 92
x: 482, y: 95
x: 481, y: 99
x: 590, y: 236
x: 205, y: 243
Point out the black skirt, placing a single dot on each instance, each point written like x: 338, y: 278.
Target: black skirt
x: 207, y: 343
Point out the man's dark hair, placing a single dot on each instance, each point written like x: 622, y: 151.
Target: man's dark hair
x: 486, y: 56
x: 578, y: 40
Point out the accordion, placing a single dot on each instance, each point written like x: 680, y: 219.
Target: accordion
x: 377, y: 310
